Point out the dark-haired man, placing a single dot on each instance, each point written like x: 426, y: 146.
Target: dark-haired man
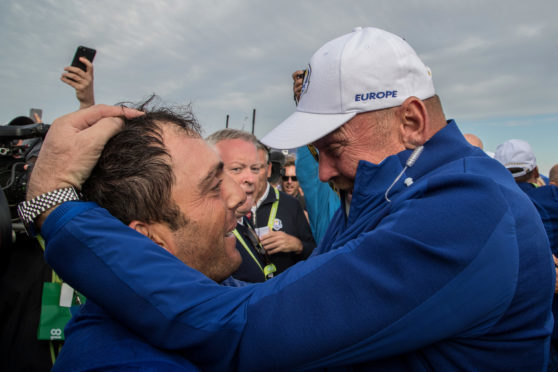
x: 436, y: 260
x: 147, y: 177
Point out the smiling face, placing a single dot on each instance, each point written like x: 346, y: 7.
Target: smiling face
x: 208, y: 199
x: 289, y: 182
x: 241, y: 163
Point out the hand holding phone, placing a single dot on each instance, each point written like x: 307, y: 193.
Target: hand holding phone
x: 80, y: 76
x: 86, y: 52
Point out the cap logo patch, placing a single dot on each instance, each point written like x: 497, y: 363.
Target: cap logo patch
x: 306, y: 82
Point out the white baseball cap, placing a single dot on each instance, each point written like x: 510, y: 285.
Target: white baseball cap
x: 516, y: 153
x: 368, y: 69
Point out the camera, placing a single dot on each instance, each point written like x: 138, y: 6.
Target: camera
x: 20, y: 143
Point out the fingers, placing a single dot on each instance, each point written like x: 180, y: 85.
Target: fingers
x: 103, y: 130
x: 85, y: 118
x: 88, y: 65
x: 68, y: 80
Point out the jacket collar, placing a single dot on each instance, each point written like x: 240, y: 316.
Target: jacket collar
x: 373, y: 180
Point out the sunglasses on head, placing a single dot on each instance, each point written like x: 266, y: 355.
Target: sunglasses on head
x: 286, y: 178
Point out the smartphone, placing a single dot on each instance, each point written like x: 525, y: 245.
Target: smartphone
x: 36, y: 114
x: 86, y: 52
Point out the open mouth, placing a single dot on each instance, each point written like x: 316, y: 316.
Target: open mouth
x: 230, y: 230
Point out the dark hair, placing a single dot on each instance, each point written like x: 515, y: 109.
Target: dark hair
x: 133, y: 177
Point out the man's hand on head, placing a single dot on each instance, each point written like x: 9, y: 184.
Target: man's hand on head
x: 73, y: 146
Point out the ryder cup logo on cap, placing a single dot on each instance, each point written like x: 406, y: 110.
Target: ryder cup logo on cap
x: 517, y: 156
x: 366, y: 70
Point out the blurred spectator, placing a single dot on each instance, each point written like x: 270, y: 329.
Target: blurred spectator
x: 23, y: 270
x: 279, y: 220
x: 82, y: 82
x: 518, y: 157
x: 474, y: 140
x: 289, y: 182
x: 553, y: 175
x: 277, y: 160
x: 240, y: 158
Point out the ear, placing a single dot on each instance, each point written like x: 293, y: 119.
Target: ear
x: 155, y: 232
x: 414, y: 121
x: 268, y: 169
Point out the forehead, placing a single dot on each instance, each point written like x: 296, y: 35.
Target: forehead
x: 262, y: 154
x: 290, y: 170
x: 192, y: 158
x: 237, y: 150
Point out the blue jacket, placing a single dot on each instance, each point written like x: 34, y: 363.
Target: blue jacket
x: 454, y: 272
x: 545, y: 199
x: 96, y: 342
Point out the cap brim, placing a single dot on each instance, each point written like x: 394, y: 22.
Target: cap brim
x: 302, y: 128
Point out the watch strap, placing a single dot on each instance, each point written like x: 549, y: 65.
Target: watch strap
x: 31, y: 209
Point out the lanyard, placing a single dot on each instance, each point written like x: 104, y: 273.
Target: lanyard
x: 239, y: 238
x: 273, y: 212
x: 269, y: 268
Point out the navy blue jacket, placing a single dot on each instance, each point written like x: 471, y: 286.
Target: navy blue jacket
x: 545, y: 199
x: 96, y: 342
x: 455, y: 272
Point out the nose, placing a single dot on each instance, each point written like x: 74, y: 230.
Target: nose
x: 232, y: 193
x: 249, y: 176
x: 326, y: 169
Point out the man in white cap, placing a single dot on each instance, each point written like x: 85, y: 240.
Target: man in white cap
x: 518, y: 157
x: 437, y: 260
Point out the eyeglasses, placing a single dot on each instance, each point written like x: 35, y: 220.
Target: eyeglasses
x: 286, y: 178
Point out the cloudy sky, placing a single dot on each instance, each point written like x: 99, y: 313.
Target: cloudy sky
x: 495, y: 63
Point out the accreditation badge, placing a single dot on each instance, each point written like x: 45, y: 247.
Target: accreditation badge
x: 57, y: 300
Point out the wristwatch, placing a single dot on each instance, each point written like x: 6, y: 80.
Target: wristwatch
x: 29, y: 210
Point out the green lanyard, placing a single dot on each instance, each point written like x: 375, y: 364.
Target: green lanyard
x: 273, y: 212
x: 269, y: 269
x: 239, y: 238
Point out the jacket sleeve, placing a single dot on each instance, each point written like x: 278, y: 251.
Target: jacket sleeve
x: 402, y: 285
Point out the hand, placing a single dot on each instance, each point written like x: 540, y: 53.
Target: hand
x: 279, y: 241
x: 82, y: 82
x: 297, y: 84
x: 72, y: 147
